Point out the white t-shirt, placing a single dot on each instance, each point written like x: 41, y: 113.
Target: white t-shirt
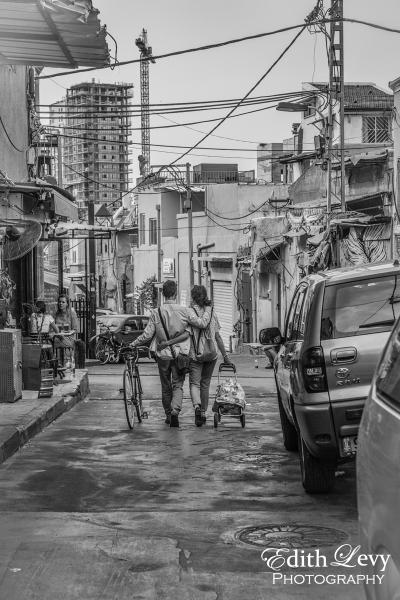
x: 40, y: 323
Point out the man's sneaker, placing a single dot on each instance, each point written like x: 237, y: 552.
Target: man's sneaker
x: 197, y: 417
x: 168, y: 420
x: 203, y: 417
x: 174, y: 422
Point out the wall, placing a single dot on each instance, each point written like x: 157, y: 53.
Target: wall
x: 13, y: 103
x: 170, y: 207
x: 145, y: 257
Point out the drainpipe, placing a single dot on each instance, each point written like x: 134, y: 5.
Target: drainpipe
x: 159, y: 252
x: 200, y: 249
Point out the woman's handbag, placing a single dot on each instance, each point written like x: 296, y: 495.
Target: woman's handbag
x: 205, y: 349
x: 182, y: 361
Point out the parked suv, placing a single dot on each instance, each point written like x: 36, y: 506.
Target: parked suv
x: 337, y: 325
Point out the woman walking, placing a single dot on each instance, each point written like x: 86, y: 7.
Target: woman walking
x: 203, y: 355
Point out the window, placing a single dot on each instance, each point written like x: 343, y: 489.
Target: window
x: 142, y: 232
x: 152, y: 232
x: 292, y: 321
x: 376, y: 130
x: 294, y: 330
x: 360, y: 307
x: 388, y: 377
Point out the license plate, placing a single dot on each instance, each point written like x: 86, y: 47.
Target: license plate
x: 349, y: 445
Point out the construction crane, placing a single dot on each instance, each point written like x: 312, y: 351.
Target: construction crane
x: 145, y: 58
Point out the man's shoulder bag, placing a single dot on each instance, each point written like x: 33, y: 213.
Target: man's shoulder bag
x: 182, y: 361
x: 204, y: 349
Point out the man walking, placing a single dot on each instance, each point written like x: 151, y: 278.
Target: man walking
x: 176, y: 320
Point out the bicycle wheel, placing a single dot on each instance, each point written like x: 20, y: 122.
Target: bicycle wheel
x: 102, y: 351
x: 130, y: 397
x: 139, y: 394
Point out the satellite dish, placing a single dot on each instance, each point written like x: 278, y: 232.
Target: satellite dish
x: 20, y: 239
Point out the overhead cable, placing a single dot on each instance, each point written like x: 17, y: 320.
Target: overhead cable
x: 226, y: 43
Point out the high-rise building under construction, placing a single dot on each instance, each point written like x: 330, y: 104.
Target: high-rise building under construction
x: 94, y: 121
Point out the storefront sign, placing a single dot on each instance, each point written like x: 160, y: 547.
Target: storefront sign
x: 169, y: 267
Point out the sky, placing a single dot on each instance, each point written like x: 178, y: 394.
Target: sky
x: 229, y: 72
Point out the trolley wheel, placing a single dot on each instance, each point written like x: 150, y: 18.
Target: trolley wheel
x: 130, y: 398
x: 243, y: 420
x: 216, y: 419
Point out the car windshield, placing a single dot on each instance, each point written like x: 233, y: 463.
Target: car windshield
x: 360, y: 307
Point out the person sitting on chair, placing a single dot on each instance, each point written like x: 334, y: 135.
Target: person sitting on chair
x: 42, y: 323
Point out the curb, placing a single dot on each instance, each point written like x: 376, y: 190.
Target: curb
x: 48, y: 411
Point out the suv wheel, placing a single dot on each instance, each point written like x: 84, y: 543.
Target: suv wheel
x: 290, y: 438
x: 317, y: 477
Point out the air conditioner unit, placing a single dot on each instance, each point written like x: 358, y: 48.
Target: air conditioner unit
x: 10, y: 365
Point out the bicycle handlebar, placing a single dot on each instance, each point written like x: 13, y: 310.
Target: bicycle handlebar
x: 126, y: 350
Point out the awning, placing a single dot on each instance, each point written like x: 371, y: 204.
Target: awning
x: 80, y: 231
x: 61, y: 201
x: 268, y: 249
x: 375, y: 156
x: 213, y: 258
x: 52, y: 33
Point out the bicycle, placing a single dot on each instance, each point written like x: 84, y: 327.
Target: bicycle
x: 132, y: 386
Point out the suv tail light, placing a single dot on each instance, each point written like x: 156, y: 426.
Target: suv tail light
x: 314, y: 371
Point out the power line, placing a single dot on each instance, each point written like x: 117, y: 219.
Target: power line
x: 226, y: 43
x: 179, y: 104
x: 260, y: 80
x: 179, y: 52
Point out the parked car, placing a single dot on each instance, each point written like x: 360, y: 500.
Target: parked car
x: 378, y: 470
x: 337, y: 324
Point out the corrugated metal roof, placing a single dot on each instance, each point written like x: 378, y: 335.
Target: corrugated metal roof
x: 363, y: 96
x: 51, y: 33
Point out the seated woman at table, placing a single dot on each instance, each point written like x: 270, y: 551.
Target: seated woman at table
x: 67, y: 322
x: 42, y: 323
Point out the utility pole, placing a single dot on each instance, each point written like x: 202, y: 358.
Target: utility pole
x: 336, y: 94
x: 91, y: 291
x: 188, y: 206
x: 145, y: 58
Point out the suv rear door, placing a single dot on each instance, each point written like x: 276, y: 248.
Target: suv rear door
x: 357, y: 317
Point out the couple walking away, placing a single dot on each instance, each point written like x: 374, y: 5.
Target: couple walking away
x: 177, y: 330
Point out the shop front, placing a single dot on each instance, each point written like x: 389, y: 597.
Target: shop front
x: 27, y: 212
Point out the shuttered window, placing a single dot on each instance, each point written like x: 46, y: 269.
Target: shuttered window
x: 223, y: 306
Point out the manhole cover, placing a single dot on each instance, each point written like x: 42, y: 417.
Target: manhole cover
x: 290, y: 536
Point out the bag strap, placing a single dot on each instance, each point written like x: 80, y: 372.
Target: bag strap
x: 166, y: 334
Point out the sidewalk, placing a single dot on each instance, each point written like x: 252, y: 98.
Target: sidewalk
x: 22, y: 420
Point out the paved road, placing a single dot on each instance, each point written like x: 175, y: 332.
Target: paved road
x: 90, y: 510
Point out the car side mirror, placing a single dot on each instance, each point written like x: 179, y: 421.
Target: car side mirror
x: 270, y: 336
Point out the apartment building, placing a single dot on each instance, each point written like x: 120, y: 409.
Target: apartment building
x: 95, y: 126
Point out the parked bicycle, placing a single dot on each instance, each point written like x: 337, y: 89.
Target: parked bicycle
x: 107, y: 348
x: 132, y: 386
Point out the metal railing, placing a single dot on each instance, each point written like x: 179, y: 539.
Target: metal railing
x: 178, y: 177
